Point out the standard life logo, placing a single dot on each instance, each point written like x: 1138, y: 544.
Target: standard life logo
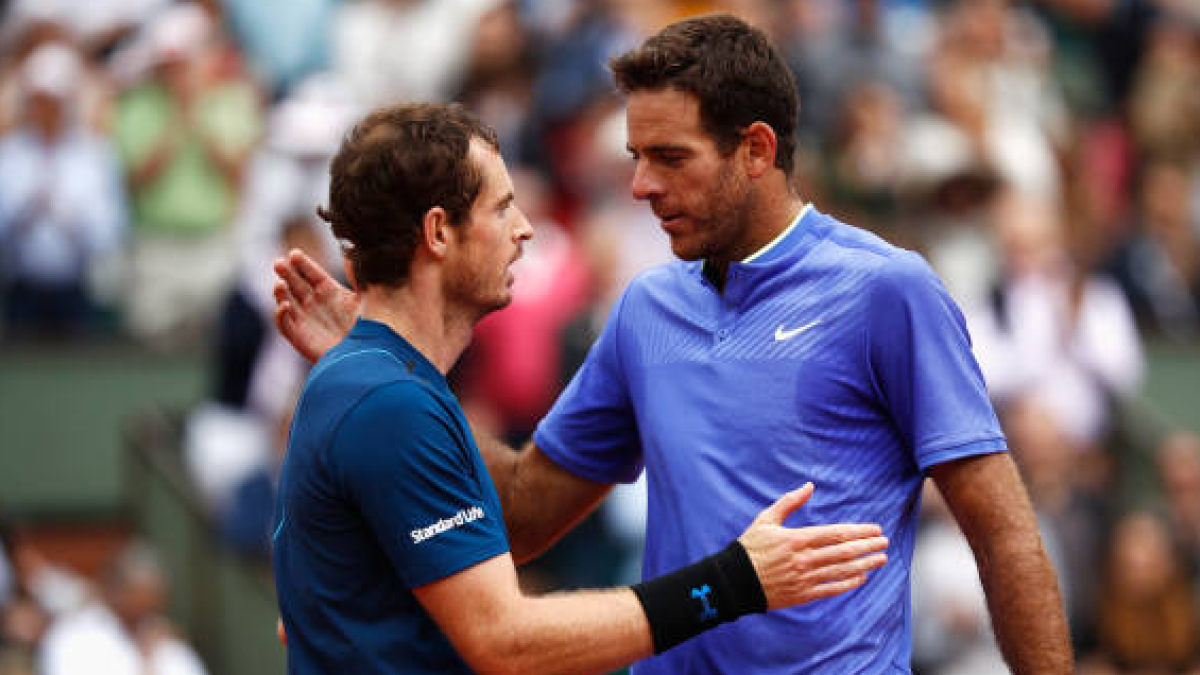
x: 457, y: 520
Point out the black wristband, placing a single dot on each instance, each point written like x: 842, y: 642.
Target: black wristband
x: 684, y: 603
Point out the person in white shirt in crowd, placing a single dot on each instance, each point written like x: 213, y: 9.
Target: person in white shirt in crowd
x: 62, y: 205
x: 123, y: 630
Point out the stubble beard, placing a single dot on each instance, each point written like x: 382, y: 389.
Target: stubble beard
x: 727, y: 211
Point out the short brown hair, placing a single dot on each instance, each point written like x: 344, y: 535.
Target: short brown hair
x: 731, y: 67
x: 391, y: 169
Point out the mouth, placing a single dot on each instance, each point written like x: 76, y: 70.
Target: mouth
x: 672, y: 224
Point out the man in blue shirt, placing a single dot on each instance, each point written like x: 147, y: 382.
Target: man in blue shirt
x: 784, y: 347
x: 390, y: 551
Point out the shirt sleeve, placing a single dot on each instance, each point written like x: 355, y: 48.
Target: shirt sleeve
x: 923, y: 368
x: 402, y: 458
x: 591, y: 430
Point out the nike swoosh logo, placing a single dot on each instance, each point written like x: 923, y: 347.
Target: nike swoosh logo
x: 781, y: 334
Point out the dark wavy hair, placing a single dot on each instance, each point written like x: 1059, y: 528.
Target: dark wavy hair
x: 391, y: 169
x: 731, y: 67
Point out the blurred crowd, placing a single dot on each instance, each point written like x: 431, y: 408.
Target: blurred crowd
x: 1044, y: 156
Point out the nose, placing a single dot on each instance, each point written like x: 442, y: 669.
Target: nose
x: 645, y: 184
x: 524, y: 229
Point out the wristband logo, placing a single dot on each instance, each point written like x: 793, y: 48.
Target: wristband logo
x: 702, y: 594
x: 457, y: 520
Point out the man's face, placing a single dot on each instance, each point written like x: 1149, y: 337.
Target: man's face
x: 700, y: 196
x: 489, y: 242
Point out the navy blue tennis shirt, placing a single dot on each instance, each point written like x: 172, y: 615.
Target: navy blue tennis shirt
x: 383, y: 490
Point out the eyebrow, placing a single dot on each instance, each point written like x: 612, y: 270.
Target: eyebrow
x: 660, y: 148
x: 508, y: 198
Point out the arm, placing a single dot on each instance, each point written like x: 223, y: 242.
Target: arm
x: 989, y: 502
x: 541, y: 500
x: 497, y: 629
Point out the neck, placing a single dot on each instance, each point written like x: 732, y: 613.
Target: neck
x: 424, y: 319
x: 769, y: 221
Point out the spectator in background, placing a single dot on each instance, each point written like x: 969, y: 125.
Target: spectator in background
x: 26, y: 31
x: 864, y: 164
x: 991, y: 98
x: 285, y: 41
x: 1052, y: 330
x: 184, y: 132
x: 1159, y: 265
x: 62, y: 206
x: 123, y: 631
x: 1164, y: 105
x: 405, y: 50
x: 499, y: 80
x: 834, y: 48
x: 1147, y: 612
x: 1178, y: 459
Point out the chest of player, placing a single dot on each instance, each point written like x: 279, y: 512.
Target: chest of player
x: 779, y: 367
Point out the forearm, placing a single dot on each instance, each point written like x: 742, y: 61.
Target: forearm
x: 541, y: 501
x: 567, y: 634
x: 1026, y: 607
x: 991, y: 506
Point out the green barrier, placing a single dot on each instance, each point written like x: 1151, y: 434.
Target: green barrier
x: 225, y: 605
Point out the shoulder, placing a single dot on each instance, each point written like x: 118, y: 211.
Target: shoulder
x: 395, y: 425
x: 888, y: 270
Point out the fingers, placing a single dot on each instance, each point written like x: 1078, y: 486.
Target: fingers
x: 785, y: 506
x: 850, y: 550
x: 844, y: 570
x: 827, y: 535
x: 295, y: 284
x: 828, y: 590
x: 312, y: 273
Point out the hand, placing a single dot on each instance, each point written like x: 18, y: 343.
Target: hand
x: 312, y: 310
x: 797, y: 565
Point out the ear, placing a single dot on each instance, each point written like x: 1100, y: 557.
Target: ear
x: 348, y: 268
x: 760, y: 145
x: 435, y: 232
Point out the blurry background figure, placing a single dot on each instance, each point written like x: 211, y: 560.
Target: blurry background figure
x: 185, y: 130
x: 991, y: 98
x: 61, y: 202
x: 123, y: 631
x: 1165, y: 102
x: 1147, y: 606
x: 498, y: 80
x: 1159, y: 265
x: 284, y: 41
x: 863, y: 157
x: 1179, y: 472
x: 32, y: 25
x: 405, y: 50
x: 835, y: 47
x: 1053, y: 330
